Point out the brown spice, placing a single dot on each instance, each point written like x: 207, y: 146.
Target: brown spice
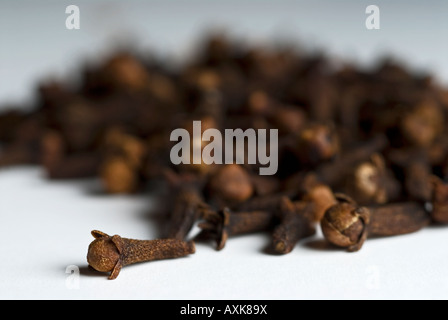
x: 344, y: 225
x: 123, y: 159
x: 296, y: 223
x: 348, y: 225
x: 417, y: 169
x: 189, y: 207
x: 397, y: 218
x: 111, y: 253
x: 118, y: 143
x: 371, y: 182
x: 332, y: 173
x: 316, y: 144
x: 118, y: 176
x: 418, y: 179
x: 230, y: 184
x: 423, y: 124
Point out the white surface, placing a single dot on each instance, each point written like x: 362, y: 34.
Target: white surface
x: 45, y: 226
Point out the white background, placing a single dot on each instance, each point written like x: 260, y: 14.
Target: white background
x: 45, y: 226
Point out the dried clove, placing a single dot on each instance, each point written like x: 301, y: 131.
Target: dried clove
x: 418, y: 180
x: 423, y: 124
x: 23, y: 145
x: 118, y: 176
x: 371, y: 182
x: 348, y: 225
x: 229, y: 185
x: 122, y: 162
x: 111, y: 253
x: 316, y: 144
x: 296, y: 223
x: 345, y: 225
x: 417, y: 172
x: 189, y: 207
x: 59, y: 165
x: 332, y: 173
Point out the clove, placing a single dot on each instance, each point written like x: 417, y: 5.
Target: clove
x: 296, y: 223
x: 371, y: 182
x: 331, y: 173
x: 111, y: 253
x: 348, y: 225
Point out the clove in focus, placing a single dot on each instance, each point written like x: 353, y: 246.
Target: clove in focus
x: 111, y: 253
x: 348, y: 225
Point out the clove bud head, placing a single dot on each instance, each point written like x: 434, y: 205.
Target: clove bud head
x: 232, y: 183
x: 103, y: 253
x: 345, y: 225
x: 318, y: 143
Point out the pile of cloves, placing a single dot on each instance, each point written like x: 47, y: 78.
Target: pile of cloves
x: 362, y: 151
